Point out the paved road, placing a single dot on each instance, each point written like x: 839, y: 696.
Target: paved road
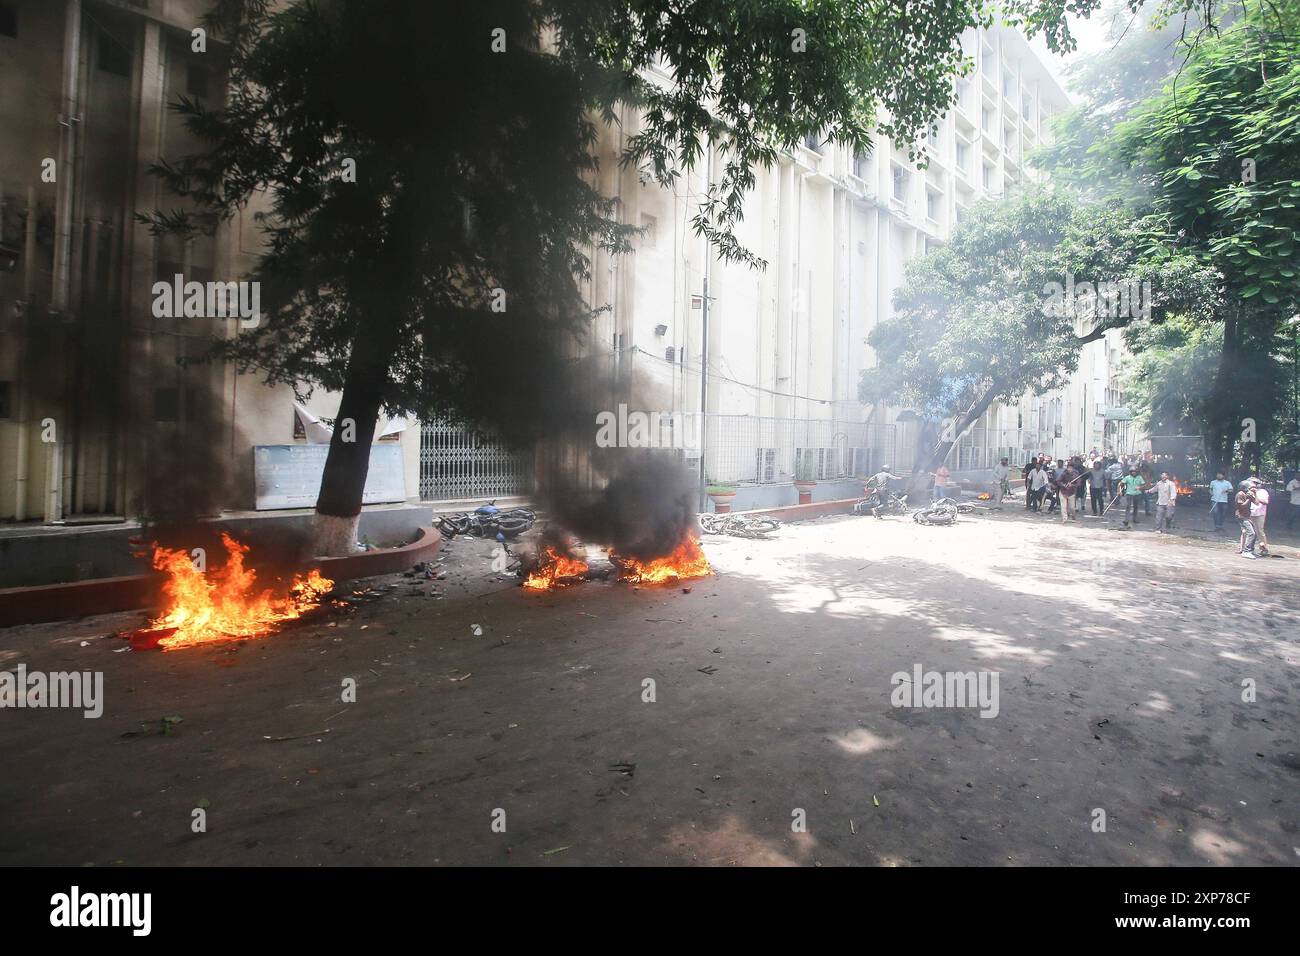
x: 1120, y: 660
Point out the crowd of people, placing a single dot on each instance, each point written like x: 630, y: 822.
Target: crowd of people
x: 1096, y: 483
x: 1135, y: 483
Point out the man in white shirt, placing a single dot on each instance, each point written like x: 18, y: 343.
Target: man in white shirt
x: 1166, y: 491
x: 1293, y: 486
x: 1258, y: 515
x: 1038, y: 484
x: 1001, y: 476
x: 1220, y: 489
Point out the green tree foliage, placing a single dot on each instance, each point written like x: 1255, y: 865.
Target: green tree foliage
x: 1214, y: 156
x: 471, y: 127
x: 979, y: 321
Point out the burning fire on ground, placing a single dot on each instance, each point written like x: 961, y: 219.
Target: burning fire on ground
x: 558, y: 566
x: 687, y: 560
x: 225, y: 604
x: 554, y: 570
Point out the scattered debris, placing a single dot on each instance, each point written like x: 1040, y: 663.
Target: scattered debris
x: 314, y: 733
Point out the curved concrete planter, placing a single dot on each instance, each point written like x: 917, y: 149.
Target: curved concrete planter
x: 722, y: 501
x: 57, y: 602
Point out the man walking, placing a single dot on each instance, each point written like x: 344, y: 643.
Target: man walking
x: 1259, y: 515
x: 1067, y: 485
x: 1244, y: 501
x: 1001, y: 482
x: 1219, y: 489
x: 1131, y: 486
x: 1097, y: 488
x: 1114, y: 473
x: 1166, y: 490
x: 1081, y: 492
x: 1037, y: 485
x: 1146, y: 470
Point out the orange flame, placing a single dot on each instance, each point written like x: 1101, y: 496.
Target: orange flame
x: 1183, y: 487
x: 687, y: 560
x: 224, y: 605
x: 555, y: 570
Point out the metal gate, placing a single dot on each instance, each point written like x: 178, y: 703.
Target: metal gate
x: 456, y: 462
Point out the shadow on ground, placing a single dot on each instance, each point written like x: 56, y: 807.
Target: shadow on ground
x: 1120, y: 667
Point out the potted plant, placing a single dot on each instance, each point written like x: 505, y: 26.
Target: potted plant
x: 805, y: 480
x: 722, y: 495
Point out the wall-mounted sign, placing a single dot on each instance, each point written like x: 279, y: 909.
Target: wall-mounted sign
x: 288, y: 476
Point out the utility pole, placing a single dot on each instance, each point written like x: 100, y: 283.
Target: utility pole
x: 704, y: 382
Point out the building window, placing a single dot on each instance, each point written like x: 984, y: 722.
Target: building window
x: 963, y: 157
x: 860, y: 166
x: 196, y: 80
x: 649, y: 231
x: 6, y: 402
x: 114, y: 55
x: 8, y: 21
x: 814, y: 142
x: 986, y: 119
x: 901, y: 183
x: 932, y: 201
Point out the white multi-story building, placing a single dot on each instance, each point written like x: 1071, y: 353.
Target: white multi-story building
x: 786, y: 346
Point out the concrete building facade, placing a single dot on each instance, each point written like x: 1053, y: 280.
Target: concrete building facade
x: 786, y: 346
x: 84, y: 93
x: 94, y: 408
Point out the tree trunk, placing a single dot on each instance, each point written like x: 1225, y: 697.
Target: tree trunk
x: 338, y: 506
x: 938, y: 453
x: 1220, y: 427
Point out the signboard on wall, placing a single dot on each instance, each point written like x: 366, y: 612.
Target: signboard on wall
x: 288, y: 476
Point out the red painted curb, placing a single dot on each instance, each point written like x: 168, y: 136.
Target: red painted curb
x: 803, y: 512
x: 57, y: 602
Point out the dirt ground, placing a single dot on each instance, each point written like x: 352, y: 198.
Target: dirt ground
x: 1121, y: 659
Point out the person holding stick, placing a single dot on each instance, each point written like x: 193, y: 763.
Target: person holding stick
x: 1132, y: 488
